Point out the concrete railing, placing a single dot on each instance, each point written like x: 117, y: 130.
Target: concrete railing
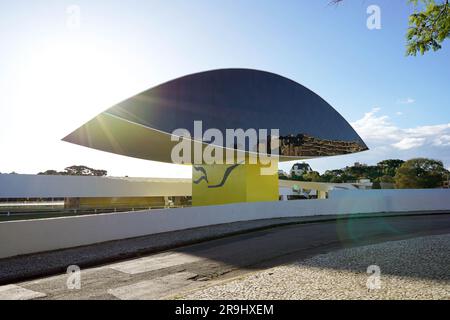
x: 30, y: 236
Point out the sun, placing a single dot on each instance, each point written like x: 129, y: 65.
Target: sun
x: 69, y: 82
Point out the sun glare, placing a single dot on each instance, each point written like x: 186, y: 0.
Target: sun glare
x: 68, y: 84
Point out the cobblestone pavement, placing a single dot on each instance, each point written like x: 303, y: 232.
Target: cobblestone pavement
x: 301, y: 255
x: 409, y: 269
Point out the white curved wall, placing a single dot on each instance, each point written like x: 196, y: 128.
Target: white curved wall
x: 23, y: 237
x: 42, y: 186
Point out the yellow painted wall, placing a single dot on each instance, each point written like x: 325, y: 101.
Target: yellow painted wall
x: 244, y: 184
x: 261, y: 187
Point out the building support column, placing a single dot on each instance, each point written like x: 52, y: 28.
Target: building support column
x: 223, y: 183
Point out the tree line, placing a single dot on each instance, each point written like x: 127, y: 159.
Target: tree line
x: 412, y: 174
x: 76, y: 171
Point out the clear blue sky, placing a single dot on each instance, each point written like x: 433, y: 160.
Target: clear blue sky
x: 54, y: 78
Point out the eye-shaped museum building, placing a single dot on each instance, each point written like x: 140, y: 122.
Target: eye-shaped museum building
x: 143, y: 125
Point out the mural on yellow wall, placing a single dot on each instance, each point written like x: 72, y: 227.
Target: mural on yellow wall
x: 241, y: 182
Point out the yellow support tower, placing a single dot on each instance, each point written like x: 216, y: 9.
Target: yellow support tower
x: 222, y: 184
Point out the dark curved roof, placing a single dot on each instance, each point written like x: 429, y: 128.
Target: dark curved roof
x: 232, y: 98
x: 236, y: 98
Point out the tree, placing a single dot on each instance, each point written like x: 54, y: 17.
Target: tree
x: 334, y: 176
x: 384, y: 182
x: 420, y: 173
x: 384, y: 174
x: 389, y: 167
x: 84, y: 171
x: 387, y: 179
x: 50, y: 173
x: 336, y: 180
x: 359, y: 172
x: 76, y: 171
x: 428, y: 27
x: 296, y: 177
x: 312, y: 176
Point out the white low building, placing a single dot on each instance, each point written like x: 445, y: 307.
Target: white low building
x: 115, y: 192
